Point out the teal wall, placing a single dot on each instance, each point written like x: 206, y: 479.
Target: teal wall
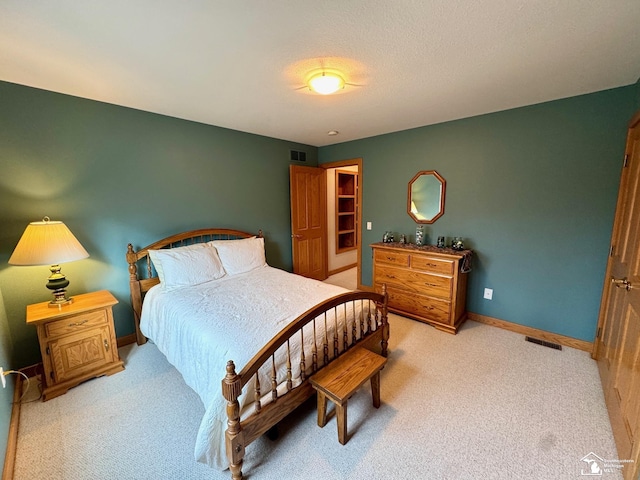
x: 531, y: 190
x: 116, y: 175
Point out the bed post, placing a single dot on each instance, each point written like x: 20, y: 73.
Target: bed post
x: 385, y: 322
x: 234, y: 438
x: 136, y: 294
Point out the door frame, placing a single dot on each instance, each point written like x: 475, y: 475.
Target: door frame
x: 357, y: 162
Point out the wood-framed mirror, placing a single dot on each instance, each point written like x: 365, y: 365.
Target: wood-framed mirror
x: 425, y: 197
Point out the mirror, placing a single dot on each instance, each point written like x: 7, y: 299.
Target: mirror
x: 425, y: 200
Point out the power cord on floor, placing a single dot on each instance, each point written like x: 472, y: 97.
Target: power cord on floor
x: 24, y: 391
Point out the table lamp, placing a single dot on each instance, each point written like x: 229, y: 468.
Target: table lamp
x: 49, y: 243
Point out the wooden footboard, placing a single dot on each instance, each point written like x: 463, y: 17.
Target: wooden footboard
x: 368, y: 326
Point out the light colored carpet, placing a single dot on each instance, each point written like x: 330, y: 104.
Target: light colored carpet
x: 483, y: 404
x: 347, y: 279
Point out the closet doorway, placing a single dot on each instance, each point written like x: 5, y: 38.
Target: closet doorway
x: 344, y: 218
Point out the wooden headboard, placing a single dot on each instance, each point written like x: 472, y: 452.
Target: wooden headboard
x: 142, y: 275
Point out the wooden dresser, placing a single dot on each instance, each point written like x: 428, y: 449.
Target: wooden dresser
x: 425, y: 283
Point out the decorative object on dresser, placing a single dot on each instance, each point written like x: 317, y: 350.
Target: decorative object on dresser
x: 457, y: 243
x: 420, y: 235
x: 204, y: 320
x: 77, y: 341
x: 425, y: 283
x: 49, y: 243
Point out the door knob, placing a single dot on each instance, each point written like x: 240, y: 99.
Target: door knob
x: 296, y: 236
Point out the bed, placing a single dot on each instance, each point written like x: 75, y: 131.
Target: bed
x: 209, y: 301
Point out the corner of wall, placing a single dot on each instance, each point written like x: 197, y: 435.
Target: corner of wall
x: 6, y: 394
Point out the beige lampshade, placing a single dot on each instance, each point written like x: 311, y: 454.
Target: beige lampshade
x: 47, y: 243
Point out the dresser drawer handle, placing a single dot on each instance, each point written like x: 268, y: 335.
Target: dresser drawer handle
x: 391, y: 259
x: 77, y: 324
x: 390, y: 276
x: 431, y: 265
x: 431, y: 284
x: 106, y: 345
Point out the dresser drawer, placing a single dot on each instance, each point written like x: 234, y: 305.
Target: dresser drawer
x: 387, y: 257
x: 433, y: 265
x: 393, y: 277
x: 76, y: 323
x: 414, y: 281
x: 431, y: 308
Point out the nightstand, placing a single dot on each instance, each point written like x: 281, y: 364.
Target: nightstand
x: 77, y: 341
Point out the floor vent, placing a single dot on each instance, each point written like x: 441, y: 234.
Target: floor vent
x: 544, y: 343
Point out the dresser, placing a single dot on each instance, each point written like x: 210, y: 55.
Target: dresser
x: 425, y: 283
x: 77, y: 341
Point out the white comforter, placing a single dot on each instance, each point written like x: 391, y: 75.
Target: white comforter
x: 200, y: 328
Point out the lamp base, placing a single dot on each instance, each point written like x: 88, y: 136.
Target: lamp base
x: 58, y: 284
x: 59, y: 302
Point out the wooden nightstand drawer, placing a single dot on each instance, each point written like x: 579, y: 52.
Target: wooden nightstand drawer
x: 432, y: 265
x: 75, y: 323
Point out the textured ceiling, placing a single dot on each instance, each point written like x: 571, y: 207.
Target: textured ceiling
x: 242, y: 64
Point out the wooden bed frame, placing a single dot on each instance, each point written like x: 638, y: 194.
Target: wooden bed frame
x: 373, y: 330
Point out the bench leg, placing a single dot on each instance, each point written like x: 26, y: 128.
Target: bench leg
x: 341, y: 414
x: 375, y: 389
x: 322, y: 409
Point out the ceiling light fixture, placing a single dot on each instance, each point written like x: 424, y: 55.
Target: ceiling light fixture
x: 325, y: 82
x: 331, y: 133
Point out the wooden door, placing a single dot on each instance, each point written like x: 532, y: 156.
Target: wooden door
x: 309, y: 221
x: 617, y: 346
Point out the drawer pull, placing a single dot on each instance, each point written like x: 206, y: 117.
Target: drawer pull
x: 431, y: 265
x: 391, y: 259
x: 106, y: 345
x: 77, y: 324
x: 431, y: 284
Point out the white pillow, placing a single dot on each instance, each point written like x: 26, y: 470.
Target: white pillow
x: 184, y: 266
x: 240, y: 256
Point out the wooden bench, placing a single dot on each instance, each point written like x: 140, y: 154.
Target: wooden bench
x: 341, y: 378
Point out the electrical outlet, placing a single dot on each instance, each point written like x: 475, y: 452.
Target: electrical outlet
x: 368, y: 225
x: 488, y: 293
x: 2, y: 378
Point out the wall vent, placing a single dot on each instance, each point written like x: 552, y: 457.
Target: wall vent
x: 297, y: 156
x: 544, y: 343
